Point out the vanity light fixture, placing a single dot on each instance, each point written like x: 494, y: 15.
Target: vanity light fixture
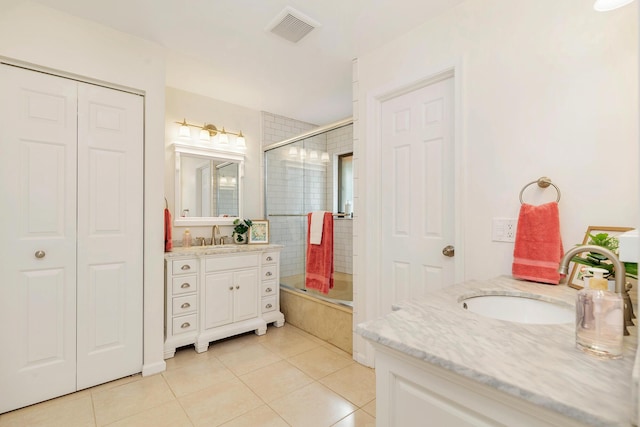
x: 208, y: 131
x: 607, y: 5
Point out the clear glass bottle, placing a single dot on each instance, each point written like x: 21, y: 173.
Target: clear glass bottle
x: 599, y: 318
x: 186, y: 239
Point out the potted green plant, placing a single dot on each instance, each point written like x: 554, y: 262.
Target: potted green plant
x: 593, y: 259
x: 240, y: 229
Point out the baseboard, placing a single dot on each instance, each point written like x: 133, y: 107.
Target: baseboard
x: 153, y: 368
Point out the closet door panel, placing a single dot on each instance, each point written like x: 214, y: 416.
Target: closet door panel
x: 110, y: 226
x: 37, y: 225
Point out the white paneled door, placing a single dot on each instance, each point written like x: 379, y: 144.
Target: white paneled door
x: 417, y: 192
x: 71, y: 228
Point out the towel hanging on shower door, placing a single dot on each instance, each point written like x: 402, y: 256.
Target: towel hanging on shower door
x: 319, y: 271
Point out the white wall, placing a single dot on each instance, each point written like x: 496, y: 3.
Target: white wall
x: 39, y: 35
x: 547, y: 88
x: 198, y: 109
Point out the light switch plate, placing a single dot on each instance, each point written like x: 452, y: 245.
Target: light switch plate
x: 504, y: 229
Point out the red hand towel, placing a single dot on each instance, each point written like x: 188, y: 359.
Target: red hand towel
x: 538, y: 248
x: 319, y: 274
x: 168, y: 244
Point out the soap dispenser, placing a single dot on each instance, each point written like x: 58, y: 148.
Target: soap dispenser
x: 186, y: 239
x: 599, y: 323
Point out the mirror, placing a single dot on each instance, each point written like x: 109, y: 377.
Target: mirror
x: 208, y: 186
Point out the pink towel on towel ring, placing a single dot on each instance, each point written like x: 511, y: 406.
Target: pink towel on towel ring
x: 538, y: 247
x: 319, y: 272
x: 168, y: 243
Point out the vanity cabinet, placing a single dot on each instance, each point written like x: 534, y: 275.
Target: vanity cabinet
x: 411, y: 391
x: 181, y: 303
x: 217, y: 293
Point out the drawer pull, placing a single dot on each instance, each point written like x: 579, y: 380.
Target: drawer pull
x: 185, y: 305
x: 185, y: 285
x: 269, y: 258
x: 185, y: 267
x: 185, y: 325
x: 268, y: 273
x: 268, y: 305
x: 268, y: 290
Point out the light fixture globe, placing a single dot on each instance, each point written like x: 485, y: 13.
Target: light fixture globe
x: 607, y: 5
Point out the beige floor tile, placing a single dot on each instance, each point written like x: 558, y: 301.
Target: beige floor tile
x: 201, y: 373
x: 320, y: 362
x: 249, y: 358
x: 129, y: 399
x: 232, y: 344
x: 370, y: 408
x: 220, y: 403
x: 114, y: 383
x: 183, y: 357
x: 312, y: 406
x: 358, y: 419
x: 55, y: 413
x: 262, y: 416
x: 287, y: 343
x: 355, y: 382
x: 276, y: 380
x: 166, y: 415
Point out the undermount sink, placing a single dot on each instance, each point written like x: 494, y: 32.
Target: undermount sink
x: 521, y: 309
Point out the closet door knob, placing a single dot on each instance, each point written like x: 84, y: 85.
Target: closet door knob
x: 230, y: 288
x: 237, y: 286
x: 448, y: 251
x: 39, y: 254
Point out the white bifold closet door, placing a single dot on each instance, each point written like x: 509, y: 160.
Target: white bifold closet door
x: 71, y: 221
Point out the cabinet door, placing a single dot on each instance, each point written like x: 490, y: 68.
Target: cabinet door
x: 246, y: 296
x: 217, y: 299
x: 38, y: 248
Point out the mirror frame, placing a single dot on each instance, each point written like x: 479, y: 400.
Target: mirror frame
x: 208, y: 153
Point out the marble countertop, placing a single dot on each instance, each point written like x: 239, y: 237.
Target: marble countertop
x: 537, y: 363
x: 219, y: 249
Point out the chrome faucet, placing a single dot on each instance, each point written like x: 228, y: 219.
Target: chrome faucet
x: 214, y: 230
x: 618, y: 268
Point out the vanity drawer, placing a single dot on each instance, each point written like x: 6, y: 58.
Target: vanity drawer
x: 185, y: 266
x: 269, y: 287
x: 184, y: 305
x: 269, y: 304
x: 218, y: 263
x: 269, y: 272
x: 184, y: 284
x: 270, y: 257
x: 184, y: 324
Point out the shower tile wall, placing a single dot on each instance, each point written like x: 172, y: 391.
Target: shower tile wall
x: 286, y: 182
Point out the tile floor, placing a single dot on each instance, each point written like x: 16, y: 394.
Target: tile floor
x: 283, y: 378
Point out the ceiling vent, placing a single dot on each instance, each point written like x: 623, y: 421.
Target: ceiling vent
x: 292, y: 25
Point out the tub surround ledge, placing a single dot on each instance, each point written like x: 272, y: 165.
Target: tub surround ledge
x: 537, y: 363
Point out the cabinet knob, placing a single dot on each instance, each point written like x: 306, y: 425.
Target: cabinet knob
x: 269, y: 258
x: 185, y: 305
x: 39, y: 254
x: 269, y: 305
x: 268, y: 273
x: 185, y: 325
x: 237, y: 286
x: 268, y: 290
x: 230, y: 288
x: 185, y: 267
x: 185, y: 285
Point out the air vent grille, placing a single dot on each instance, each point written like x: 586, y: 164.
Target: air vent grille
x: 292, y: 25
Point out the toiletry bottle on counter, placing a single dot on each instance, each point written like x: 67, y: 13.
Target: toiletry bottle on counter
x: 186, y: 239
x: 348, y: 209
x: 599, y: 318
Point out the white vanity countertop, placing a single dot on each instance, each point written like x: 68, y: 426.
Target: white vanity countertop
x: 220, y: 249
x: 537, y: 363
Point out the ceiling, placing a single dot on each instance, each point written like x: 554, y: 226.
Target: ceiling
x: 221, y: 48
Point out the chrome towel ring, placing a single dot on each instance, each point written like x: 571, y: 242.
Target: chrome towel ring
x: 543, y: 182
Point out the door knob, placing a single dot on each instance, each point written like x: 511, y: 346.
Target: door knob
x: 448, y: 251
